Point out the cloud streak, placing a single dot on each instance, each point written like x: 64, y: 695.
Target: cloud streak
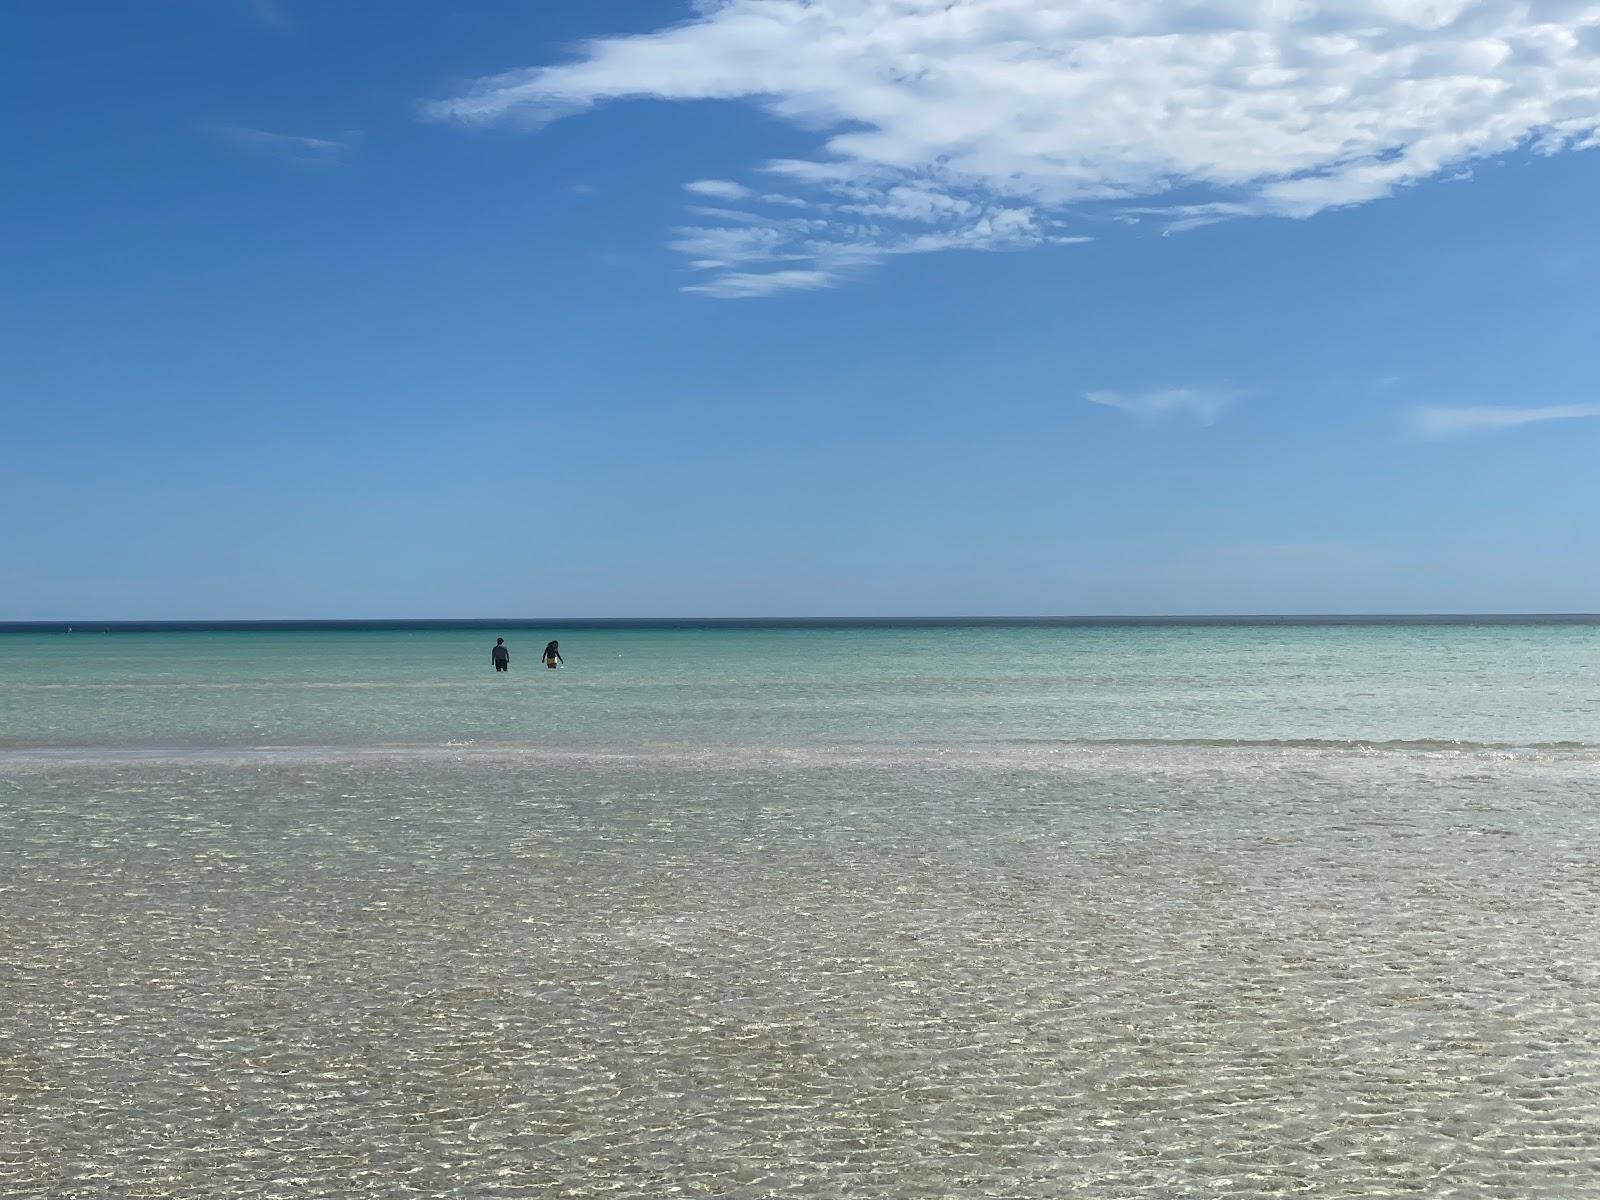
x: 285, y: 146
x: 718, y: 189
x: 1448, y: 421
x: 1197, y: 404
x: 988, y: 124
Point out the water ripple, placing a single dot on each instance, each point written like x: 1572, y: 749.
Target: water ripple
x: 1121, y: 972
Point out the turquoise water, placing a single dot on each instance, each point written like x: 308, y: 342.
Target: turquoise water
x: 1103, y: 912
x: 1490, y: 684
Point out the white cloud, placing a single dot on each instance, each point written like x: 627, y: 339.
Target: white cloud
x: 284, y: 145
x: 951, y: 112
x: 718, y: 189
x: 1194, y: 403
x: 741, y: 285
x: 1444, y: 421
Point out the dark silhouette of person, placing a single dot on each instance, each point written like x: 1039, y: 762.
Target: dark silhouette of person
x: 500, y: 656
x: 552, y: 655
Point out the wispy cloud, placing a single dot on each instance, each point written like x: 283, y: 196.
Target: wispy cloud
x: 268, y: 14
x: 286, y: 147
x: 1199, y: 404
x: 740, y: 285
x: 824, y: 243
x: 993, y: 123
x: 1447, y: 421
x: 718, y: 189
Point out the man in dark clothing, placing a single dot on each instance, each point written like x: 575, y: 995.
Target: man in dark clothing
x: 500, y: 656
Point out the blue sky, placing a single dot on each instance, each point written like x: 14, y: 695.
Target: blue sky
x: 774, y: 308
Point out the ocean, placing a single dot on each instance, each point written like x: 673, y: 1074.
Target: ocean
x: 903, y: 910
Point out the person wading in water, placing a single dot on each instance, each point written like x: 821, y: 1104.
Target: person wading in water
x: 500, y: 656
x: 552, y: 656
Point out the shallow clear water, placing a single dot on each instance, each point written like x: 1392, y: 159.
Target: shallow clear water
x: 682, y: 921
x: 808, y: 687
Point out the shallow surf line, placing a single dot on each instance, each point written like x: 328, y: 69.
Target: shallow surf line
x: 1029, y: 753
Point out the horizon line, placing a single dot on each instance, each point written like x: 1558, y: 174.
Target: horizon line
x: 314, y: 624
